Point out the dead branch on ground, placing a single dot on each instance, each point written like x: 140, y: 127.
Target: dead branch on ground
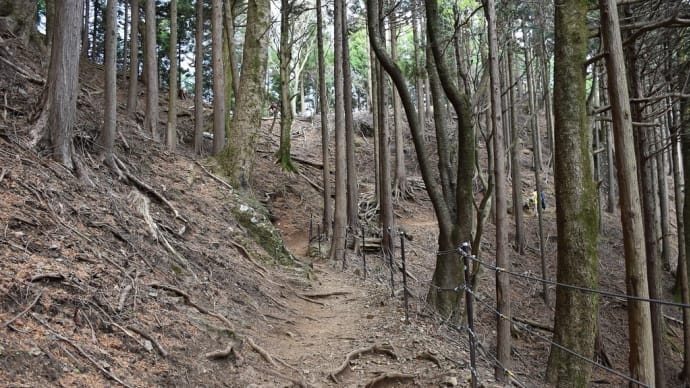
x: 534, y: 324
x: 26, y: 310
x: 312, y: 183
x: 123, y: 297
x: 57, y: 335
x: 148, y: 189
x: 190, y: 302
x: 57, y: 277
x: 426, y: 355
x: 214, y: 177
x: 376, y: 349
x: 149, y: 337
x: 388, y: 378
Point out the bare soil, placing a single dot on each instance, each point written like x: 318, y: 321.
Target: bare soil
x: 101, y: 283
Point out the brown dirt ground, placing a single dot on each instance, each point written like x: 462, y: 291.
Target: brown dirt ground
x: 107, y: 276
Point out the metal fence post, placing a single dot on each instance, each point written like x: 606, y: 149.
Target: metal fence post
x: 470, y: 313
x: 404, y: 276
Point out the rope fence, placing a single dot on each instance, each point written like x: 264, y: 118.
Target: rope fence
x: 471, y: 296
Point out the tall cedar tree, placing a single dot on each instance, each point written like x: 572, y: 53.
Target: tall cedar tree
x: 151, y: 66
x: 641, y: 357
x: 577, y: 220
x: 54, y: 126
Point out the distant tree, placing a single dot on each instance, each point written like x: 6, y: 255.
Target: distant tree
x: 325, y: 136
x: 577, y: 218
x: 110, y: 104
x: 218, y: 76
x: 198, y: 78
x: 502, y: 260
x: 400, y: 173
x: 285, y: 59
x: 151, y: 66
x: 53, y: 129
x: 340, y: 211
x: 171, y: 136
x: 133, y: 60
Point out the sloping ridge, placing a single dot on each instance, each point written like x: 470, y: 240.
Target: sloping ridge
x: 169, y: 277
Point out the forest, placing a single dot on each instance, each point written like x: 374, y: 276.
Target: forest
x: 541, y: 144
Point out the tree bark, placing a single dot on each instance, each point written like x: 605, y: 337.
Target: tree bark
x: 151, y: 66
x: 515, y: 149
x: 340, y: 216
x: 54, y: 126
x: 218, y: 76
x: 400, y: 176
x: 285, y: 59
x: 237, y: 158
x: 133, y: 60
x: 325, y: 136
x: 575, y: 324
x: 502, y: 260
x: 172, y: 80
x: 639, y: 317
x: 110, y: 104
x: 198, y: 78
x: 352, y: 191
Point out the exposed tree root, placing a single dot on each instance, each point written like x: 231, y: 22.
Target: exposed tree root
x: 310, y: 300
x: 224, y: 353
x: 326, y: 294
x: 262, y: 352
x: 388, y: 378
x: 279, y: 375
x: 106, y: 372
x: 376, y: 349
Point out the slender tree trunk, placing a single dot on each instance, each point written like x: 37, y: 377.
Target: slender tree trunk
x: 502, y: 279
x: 400, y: 176
x: 417, y: 38
x: 647, y: 166
x: 172, y: 80
x: 110, y: 104
x: 683, y: 268
x: 234, y: 73
x: 132, y: 96
x: 286, y: 111
x: 94, y: 31
x: 85, y: 29
x: 663, y: 200
x: 575, y: 325
x: 515, y: 149
x: 198, y: 79
x: 352, y: 192
x: 218, y: 76
x: 151, y: 65
x: 340, y: 216
x: 532, y: 97
x: 385, y: 193
x: 325, y: 136
x: 639, y: 317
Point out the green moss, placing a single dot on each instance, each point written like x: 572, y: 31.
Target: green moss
x: 253, y: 217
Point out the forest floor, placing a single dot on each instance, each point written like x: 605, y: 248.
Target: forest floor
x: 158, y: 280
